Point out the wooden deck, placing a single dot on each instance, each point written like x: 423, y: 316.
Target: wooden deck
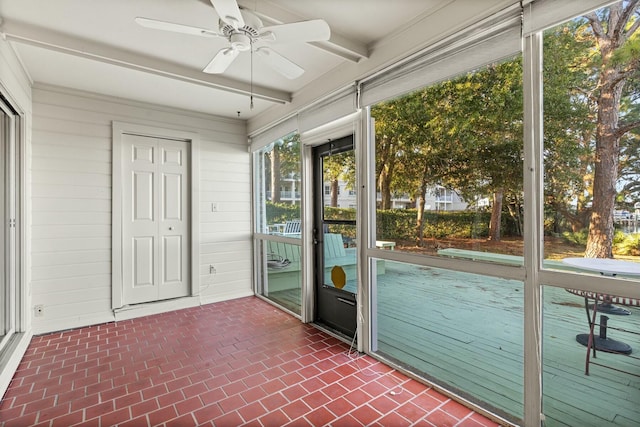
x: 465, y: 331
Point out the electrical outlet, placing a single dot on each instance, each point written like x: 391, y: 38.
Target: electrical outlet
x: 39, y: 310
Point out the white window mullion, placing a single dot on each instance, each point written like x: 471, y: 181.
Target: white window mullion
x: 533, y: 246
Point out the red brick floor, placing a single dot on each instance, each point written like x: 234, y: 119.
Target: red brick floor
x: 240, y: 362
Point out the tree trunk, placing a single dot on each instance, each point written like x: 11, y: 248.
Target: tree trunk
x: 334, y: 193
x: 386, y: 173
x: 515, y: 211
x: 496, y: 216
x: 275, y: 175
x: 600, y: 238
x: 385, y: 190
x: 420, y: 215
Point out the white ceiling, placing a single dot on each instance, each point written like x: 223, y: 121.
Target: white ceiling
x: 95, y: 46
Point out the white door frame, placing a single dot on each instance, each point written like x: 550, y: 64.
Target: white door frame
x: 118, y: 129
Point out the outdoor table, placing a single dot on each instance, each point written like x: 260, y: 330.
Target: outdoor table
x: 606, y: 267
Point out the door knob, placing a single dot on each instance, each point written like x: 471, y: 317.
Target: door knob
x: 170, y: 228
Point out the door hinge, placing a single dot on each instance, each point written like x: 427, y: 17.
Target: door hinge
x: 12, y: 222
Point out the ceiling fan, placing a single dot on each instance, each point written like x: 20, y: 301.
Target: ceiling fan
x: 245, y: 32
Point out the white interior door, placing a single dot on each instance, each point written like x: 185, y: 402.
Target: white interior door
x: 155, y: 220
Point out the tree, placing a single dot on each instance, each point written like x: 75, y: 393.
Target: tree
x: 339, y: 167
x: 486, y: 125
x: 465, y: 133
x: 390, y: 131
x: 568, y: 130
x: 284, y: 161
x: 613, y: 35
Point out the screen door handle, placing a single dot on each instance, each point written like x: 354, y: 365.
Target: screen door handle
x: 346, y: 301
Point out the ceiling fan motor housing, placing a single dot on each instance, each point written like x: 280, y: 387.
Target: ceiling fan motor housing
x: 240, y: 41
x: 241, y: 38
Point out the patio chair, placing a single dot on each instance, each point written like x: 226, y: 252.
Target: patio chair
x: 292, y: 228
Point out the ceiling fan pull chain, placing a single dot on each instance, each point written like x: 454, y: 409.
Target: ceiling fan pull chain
x: 251, y: 78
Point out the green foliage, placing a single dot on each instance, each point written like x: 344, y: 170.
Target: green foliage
x: 619, y: 236
x: 624, y: 244
x: 576, y: 237
x: 400, y: 224
x: 279, y: 213
x: 628, y: 244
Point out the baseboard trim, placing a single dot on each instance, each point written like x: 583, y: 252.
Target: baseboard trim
x: 157, y: 307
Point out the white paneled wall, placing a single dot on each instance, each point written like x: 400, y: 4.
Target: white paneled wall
x: 71, y: 203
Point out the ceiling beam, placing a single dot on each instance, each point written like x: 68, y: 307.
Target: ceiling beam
x: 338, y: 44
x: 56, y: 41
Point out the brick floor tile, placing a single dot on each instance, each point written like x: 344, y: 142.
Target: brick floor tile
x: 426, y: 402
x: 329, y: 377
x: 195, y: 390
x: 233, y: 362
x: 253, y: 394
x: 208, y: 413
x: 441, y: 419
x: 383, y: 404
x: 274, y: 419
x: 469, y: 422
x: 456, y: 409
x: 411, y: 412
x: 294, y: 392
x: 162, y: 415
x: 171, y: 398
x: 252, y: 411
x: 144, y: 407
x: 393, y: 419
x: 182, y: 421
x: 296, y: 409
x: 274, y: 401
x: 346, y: 421
x: 115, y: 417
x: 234, y: 388
x: 312, y: 384
x: 128, y: 400
x: 25, y: 420
x: 136, y: 422
x: 320, y: 417
x: 273, y: 386
x: 340, y: 406
x: 365, y: 414
x: 316, y: 399
x: 230, y: 419
x: 231, y: 403
x: 96, y: 410
x: 68, y: 419
x: 39, y: 405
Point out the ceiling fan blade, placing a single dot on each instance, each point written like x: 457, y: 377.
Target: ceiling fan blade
x: 279, y: 63
x: 176, y: 28
x: 304, y: 31
x: 229, y: 12
x: 221, y: 61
